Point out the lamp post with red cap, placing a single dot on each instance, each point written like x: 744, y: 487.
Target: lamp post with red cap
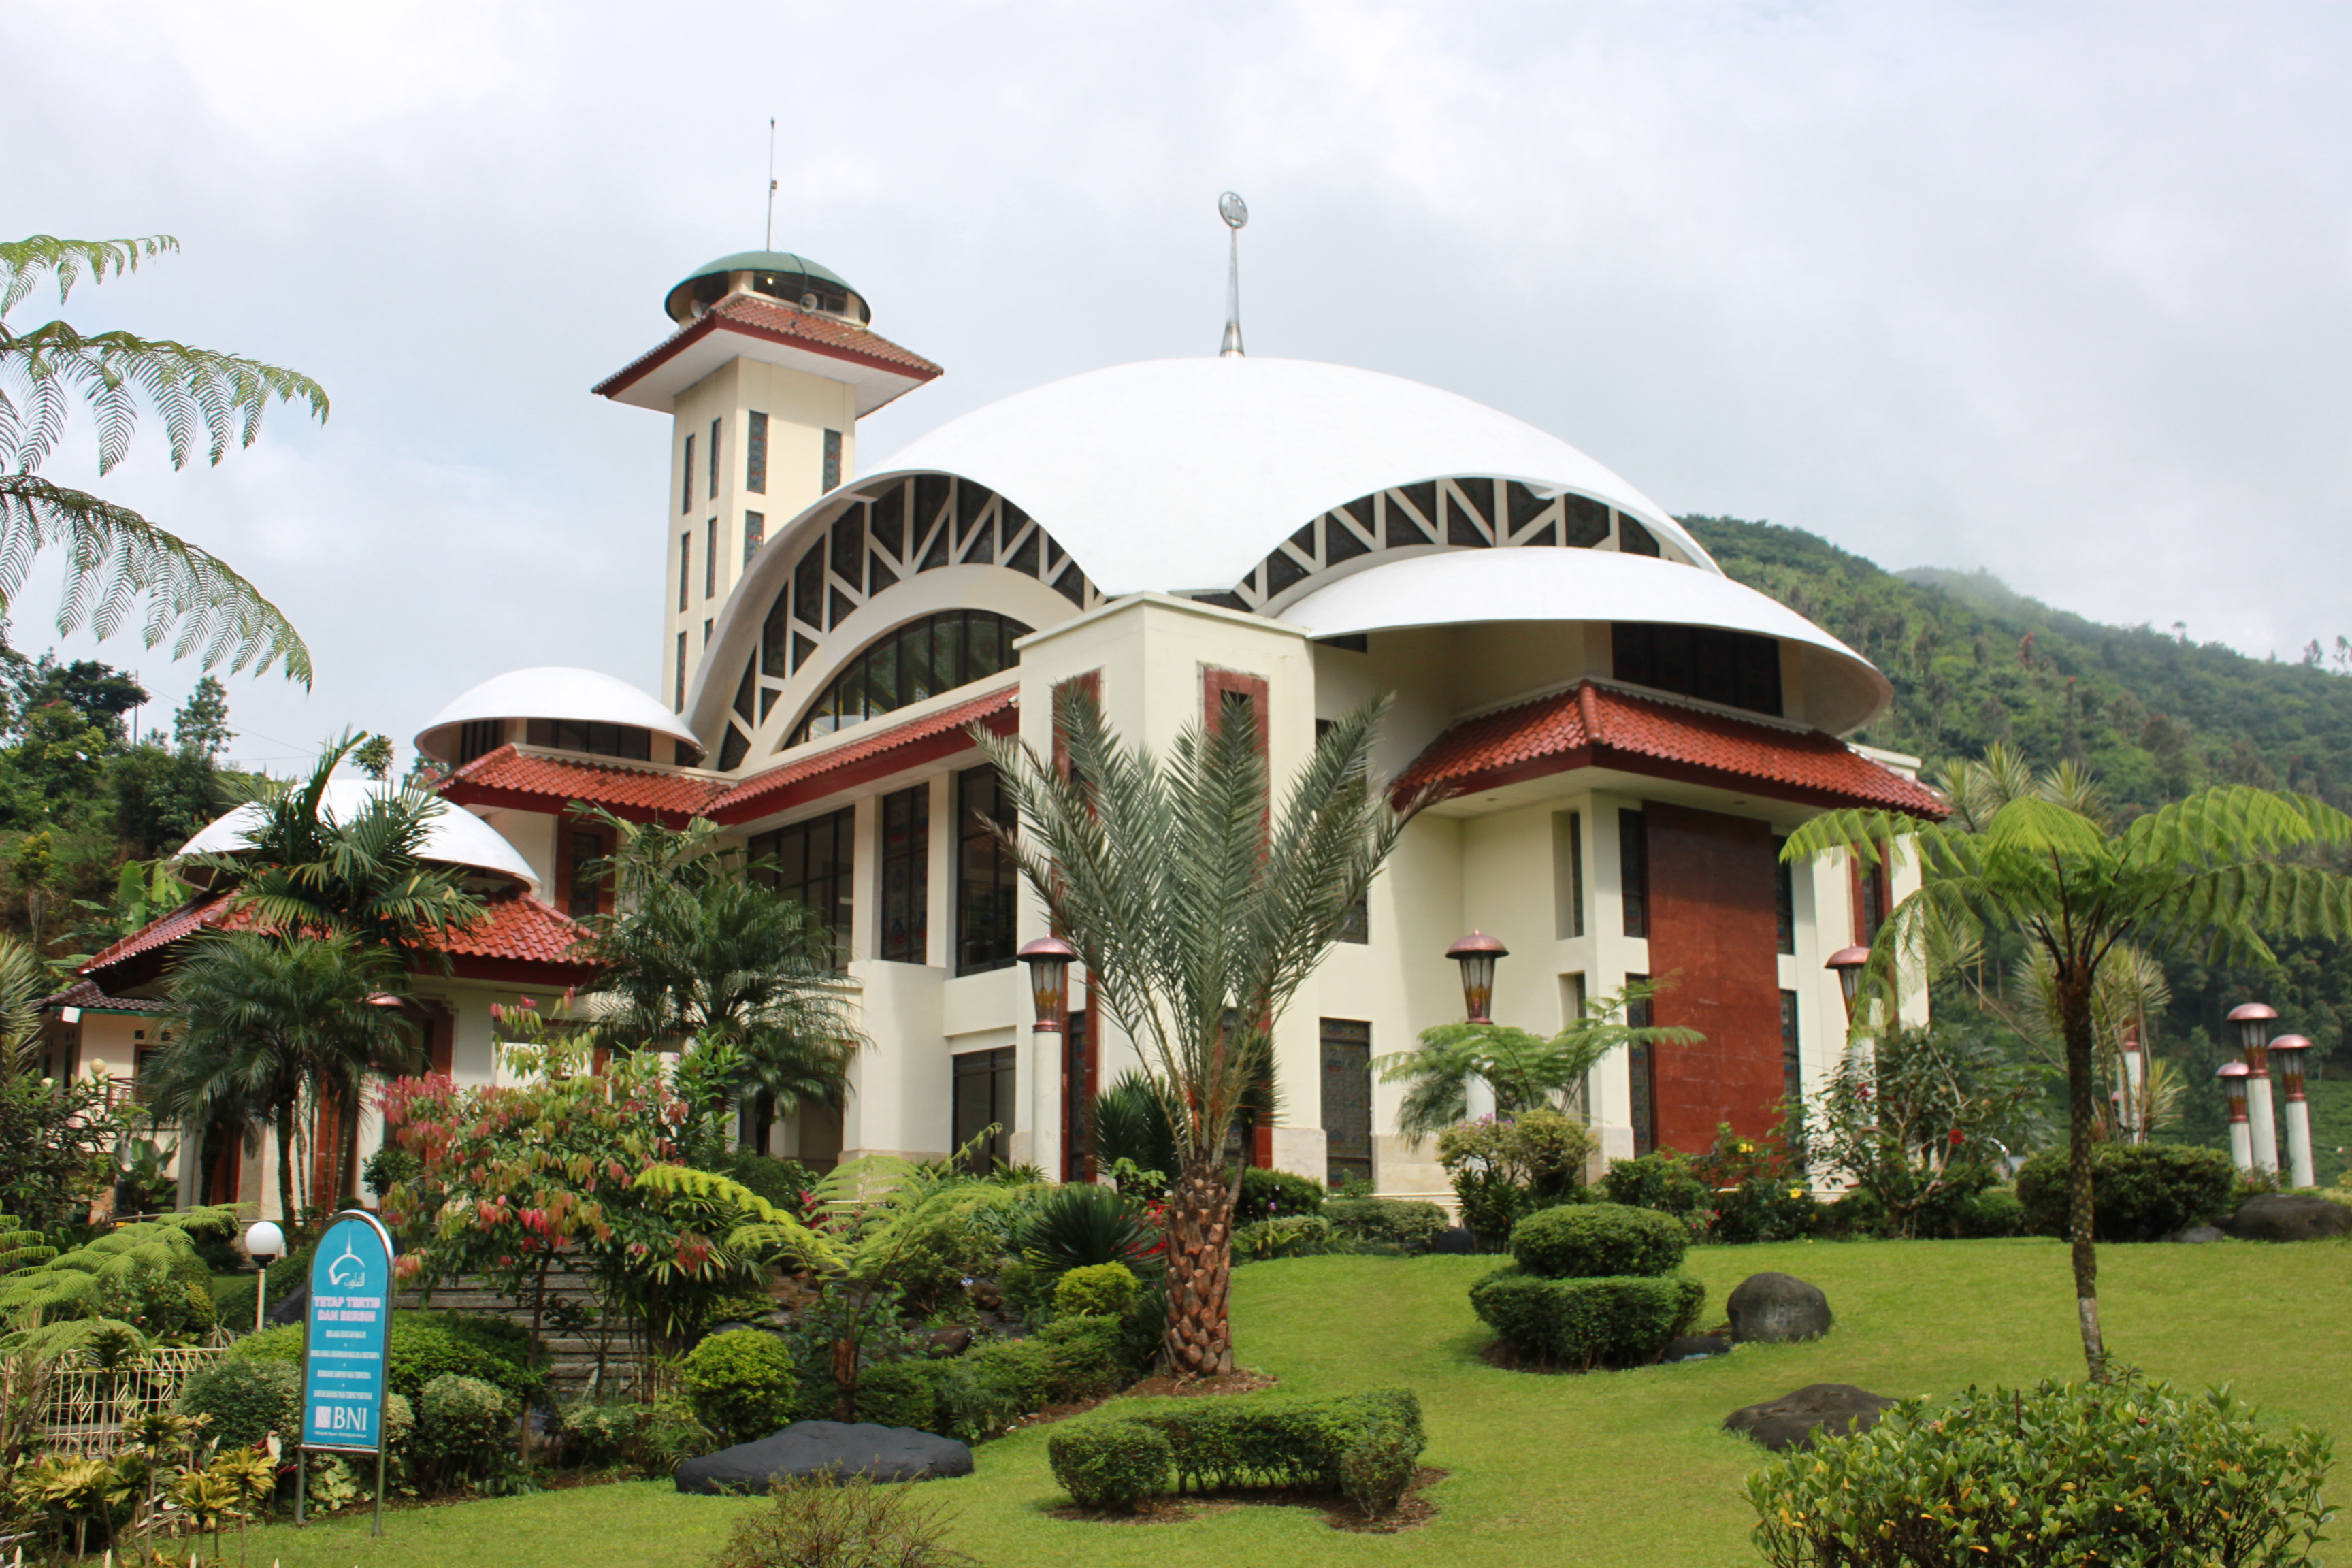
x: 1048, y: 959
x: 1476, y: 954
x: 1847, y: 963
x: 2290, y: 1049
x: 2131, y: 1103
x: 2233, y: 1084
x: 2253, y: 1020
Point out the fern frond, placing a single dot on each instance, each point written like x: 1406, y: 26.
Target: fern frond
x: 23, y: 262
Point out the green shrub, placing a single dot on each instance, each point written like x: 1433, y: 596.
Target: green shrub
x: 739, y: 1383
x: 898, y: 1394
x: 597, y: 1435
x: 1662, y: 1181
x: 2138, y: 1192
x: 1995, y: 1211
x: 423, y: 1346
x: 1611, y: 1322
x: 1764, y: 1208
x: 2119, y: 1472
x: 464, y: 1427
x: 1582, y: 1241
x: 1078, y: 1225
x: 1400, y: 1221
x: 1110, y: 1465
x: 247, y: 1400
x: 1084, y: 1357
x: 785, y: 1183
x: 1099, y: 1291
x: 1266, y: 1194
x: 842, y: 1524
x: 1285, y: 1236
x: 1502, y: 1170
x: 1363, y: 1446
x: 983, y: 1392
x: 399, y: 1426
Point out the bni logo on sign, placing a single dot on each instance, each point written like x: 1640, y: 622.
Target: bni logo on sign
x: 338, y: 1418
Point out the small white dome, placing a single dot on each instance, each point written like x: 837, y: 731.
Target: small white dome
x: 1178, y: 475
x: 452, y: 837
x: 1843, y: 689
x: 552, y: 691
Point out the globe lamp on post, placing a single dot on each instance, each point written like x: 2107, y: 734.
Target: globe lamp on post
x: 266, y: 1244
x: 1477, y: 953
x: 2254, y: 1020
x: 1048, y: 959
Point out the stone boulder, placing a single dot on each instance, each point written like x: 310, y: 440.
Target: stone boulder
x: 2199, y: 1234
x: 1778, y: 1309
x: 1789, y: 1422
x: 2290, y: 1217
x: 1695, y: 1347
x: 812, y: 1447
x: 1457, y: 1241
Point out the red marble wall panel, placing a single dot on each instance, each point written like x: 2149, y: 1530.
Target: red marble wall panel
x: 1712, y: 929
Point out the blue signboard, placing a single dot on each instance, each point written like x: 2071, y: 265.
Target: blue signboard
x: 350, y: 1320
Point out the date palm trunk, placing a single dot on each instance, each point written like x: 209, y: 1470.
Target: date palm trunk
x: 1200, y: 1226
x: 2082, y: 1097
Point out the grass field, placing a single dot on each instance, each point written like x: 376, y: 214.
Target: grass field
x: 1624, y: 1469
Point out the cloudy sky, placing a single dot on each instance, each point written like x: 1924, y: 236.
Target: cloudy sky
x: 2059, y: 290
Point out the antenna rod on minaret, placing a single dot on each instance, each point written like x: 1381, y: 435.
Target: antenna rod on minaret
x: 771, y: 182
x: 1235, y: 211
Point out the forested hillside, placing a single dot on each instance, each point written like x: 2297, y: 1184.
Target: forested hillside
x: 2155, y: 716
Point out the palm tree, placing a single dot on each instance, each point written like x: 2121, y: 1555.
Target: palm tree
x: 23, y: 982
x: 277, y: 1023
x: 1527, y: 1071
x: 700, y: 949
x: 118, y: 562
x: 1197, y: 915
x: 2038, y: 854
x: 305, y: 868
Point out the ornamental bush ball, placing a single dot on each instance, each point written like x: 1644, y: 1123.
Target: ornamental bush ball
x: 1778, y: 1309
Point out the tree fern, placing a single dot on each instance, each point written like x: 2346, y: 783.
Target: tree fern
x: 21, y: 1247
x: 118, y: 562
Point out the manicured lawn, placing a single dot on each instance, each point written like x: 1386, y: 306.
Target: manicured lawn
x: 1625, y: 1468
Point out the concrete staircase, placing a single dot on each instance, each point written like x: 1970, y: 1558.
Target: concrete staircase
x: 572, y: 1354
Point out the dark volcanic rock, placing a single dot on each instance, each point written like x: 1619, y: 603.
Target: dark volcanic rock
x: 950, y: 1341
x: 812, y: 1447
x: 1778, y: 1309
x: 2290, y: 1217
x: 1789, y: 1421
x: 1695, y: 1347
x: 1456, y: 1240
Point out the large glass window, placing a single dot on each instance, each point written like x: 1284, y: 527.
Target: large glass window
x: 919, y: 659
x: 906, y: 873
x: 985, y: 878
x: 1633, y: 871
x: 983, y: 1087
x: 1348, y: 1100
x: 809, y: 861
x: 1567, y: 874
x: 1737, y: 669
x: 596, y: 739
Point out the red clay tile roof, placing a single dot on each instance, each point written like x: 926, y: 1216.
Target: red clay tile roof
x: 515, y: 927
x: 527, y: 781
x: 87, y: 996
x: 767, y: 792
x: 1599, y: 726
x: 772, y: 319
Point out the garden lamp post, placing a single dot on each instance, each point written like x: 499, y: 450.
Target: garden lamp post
x: 2290, y: 1049
x: 2233, y: 1084
x: 1476, y: 954
x: 2134, y: 1069
x: 1048, y: 959
x: 1846, y: 963
x: 2253, y: 1020
x: 266, y: 1244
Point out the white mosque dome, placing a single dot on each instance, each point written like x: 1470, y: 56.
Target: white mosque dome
x: 1181, y: 474
x: 452, y: 837
x: 551, y: 691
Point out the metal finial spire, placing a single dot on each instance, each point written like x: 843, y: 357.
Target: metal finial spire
x: 772, y: 183
x: 1235, y: 211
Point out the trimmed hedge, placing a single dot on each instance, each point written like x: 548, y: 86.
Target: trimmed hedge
x: 1662, y: 1181
x: 1401, y: 1221
x: 1586, y: 1241
x: 739, y: 1383
x: 2138, y: 1192
x: 1266, y: 1194
x: 247, y: 1400
x: 983, y: 1392
x: 425, y: 1345
x: 1365, y: 1447
x: 1611, y: 1322
x: 1099, y: 1291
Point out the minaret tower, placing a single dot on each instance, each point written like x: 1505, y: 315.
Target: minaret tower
x: 772, y: 365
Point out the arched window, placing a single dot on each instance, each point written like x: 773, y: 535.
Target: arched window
x: 919, y: 659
